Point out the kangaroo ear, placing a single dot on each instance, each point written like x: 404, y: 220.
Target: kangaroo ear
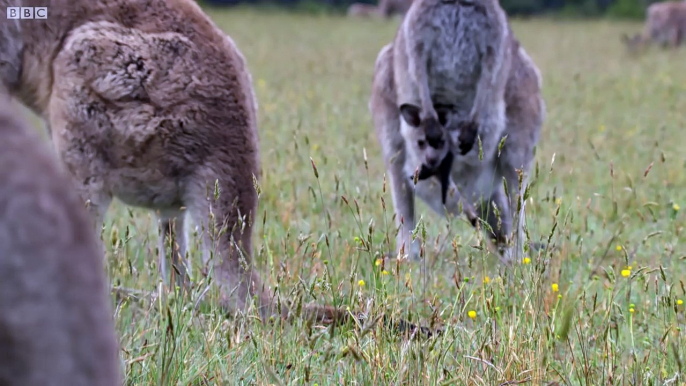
x: 410, y: 114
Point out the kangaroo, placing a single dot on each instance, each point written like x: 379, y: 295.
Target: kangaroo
x: 56, y: 323
x: 463, y: 56
x: 665, y: 25
x: 415, y: 151
x: 386, y: 9
x: 390, y: 8
x: 363, y: 10
x: 150, y: 102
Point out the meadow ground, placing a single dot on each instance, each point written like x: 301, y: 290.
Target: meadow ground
x: 608, y: 179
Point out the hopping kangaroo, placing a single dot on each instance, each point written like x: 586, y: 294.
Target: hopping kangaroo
x: 56, y: 323
x: 665, y: 25
x: 455, y: 73
x: 150, y: 102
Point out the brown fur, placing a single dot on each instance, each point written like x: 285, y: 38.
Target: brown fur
x: 501, y: 99
x: 150, y: 102
x: 665, y: 25
x: 386, y: 9
x: 55, y: 318
x: 363, y: 10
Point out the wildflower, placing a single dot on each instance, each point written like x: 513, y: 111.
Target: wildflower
x: 526, y: 260
x: 555, y: 287
x: 472, y: 314
x: 378, y: 262
x: 631, y: 310
x: 559, y: 296
x: 676, y: 207
x: 487, y: 279
x: 680, y: 302
x: 619, y: 248
x: 360, y: 283
x: 626, y: 272
x: 558, y: 201
x: 384, y: 272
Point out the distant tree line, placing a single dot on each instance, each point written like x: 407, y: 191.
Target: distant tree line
x: 571, y: 8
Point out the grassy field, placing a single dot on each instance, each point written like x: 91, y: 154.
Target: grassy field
x: 609, y: 176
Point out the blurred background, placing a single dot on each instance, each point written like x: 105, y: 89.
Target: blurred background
x: 627, y: 9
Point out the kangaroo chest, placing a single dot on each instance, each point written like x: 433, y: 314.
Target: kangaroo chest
x: 454, y: 60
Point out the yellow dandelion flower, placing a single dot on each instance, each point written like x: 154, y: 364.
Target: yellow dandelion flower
x: 472, y: 314
x: 619, y: 248
x: 555, y: 287
x: 526, y: 260
x: 487, y: 279
x: 384, y: 272
x: 360, y: 283
x: 631, y: 310
x: 626, y: 272
x: 676, y: 207
x: 680, y: 302
x: 378, y: 262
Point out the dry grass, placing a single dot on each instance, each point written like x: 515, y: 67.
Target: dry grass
x: 610, y: 118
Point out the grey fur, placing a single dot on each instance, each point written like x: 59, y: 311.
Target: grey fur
x: 56, y: 325
x: 479, y: 71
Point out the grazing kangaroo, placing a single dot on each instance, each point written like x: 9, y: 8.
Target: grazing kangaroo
x: 149, y: 101
x: 456, y: 67
x: 56, y: 323
x: 385, y: 9
x: 665, y: 25
x: 390, y: 8
x: 363, y: 10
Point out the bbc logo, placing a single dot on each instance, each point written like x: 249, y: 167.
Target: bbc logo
x: 27, y: 12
